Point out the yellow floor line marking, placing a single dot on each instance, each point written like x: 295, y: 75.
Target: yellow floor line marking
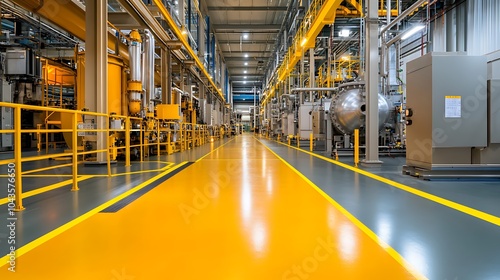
x: 448, y: 203
x: 46, y: 189
x: 391, y: 251
x: 214, y: 150
x: 29, y: 173
x: 168, y: 165
x: 37, y: 242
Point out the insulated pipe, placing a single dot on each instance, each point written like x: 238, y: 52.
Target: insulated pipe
x: 134, y: 86
x: 179, y: 95
x: 148, y: 70
x: 313, y: 89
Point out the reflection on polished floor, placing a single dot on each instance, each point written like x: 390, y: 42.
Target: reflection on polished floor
x: 239, y: 213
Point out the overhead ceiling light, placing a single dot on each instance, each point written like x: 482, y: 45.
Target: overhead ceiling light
x: 245, y: 71
x: 244, y: 82
x: 245, y: 36
x: 412, y: 31
x: 245, y: 77
x: 246, y: 55
x: 246, y: 63
x: 344, y: 33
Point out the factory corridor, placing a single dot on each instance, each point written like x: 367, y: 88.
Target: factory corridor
x: 238, y: 213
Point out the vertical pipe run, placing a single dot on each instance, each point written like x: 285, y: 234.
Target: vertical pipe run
x: 312, y: 71
x: 149, y: 70
x: 135, y: 83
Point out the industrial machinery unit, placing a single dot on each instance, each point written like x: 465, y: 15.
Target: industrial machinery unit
x: 147, y: 113
x: 452, y: 123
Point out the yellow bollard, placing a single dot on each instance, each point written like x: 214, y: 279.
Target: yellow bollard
x: 311, y: 142
x: 38, y: 138
x: 289, y: 139
x: 298, y: 140
x: 356, y: 147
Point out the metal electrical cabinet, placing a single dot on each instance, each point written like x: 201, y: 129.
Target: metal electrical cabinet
x: 491, y: 154
x: 6, y: 116
x: 447, y: 106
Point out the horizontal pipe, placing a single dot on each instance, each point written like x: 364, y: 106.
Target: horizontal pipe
x: 404, y: 14
x: 314, y: 89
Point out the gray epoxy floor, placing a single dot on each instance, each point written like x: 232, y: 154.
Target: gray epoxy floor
x: 50, y: 210
x: 440, y: 242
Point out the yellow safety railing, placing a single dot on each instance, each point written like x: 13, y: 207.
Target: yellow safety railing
x: 19, y: 159
x: 188, y: 136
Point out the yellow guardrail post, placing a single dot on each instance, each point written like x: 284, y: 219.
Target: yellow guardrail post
x: 17, y: 159
x: 74, y: 143
x: 127, y: 141
x: 158, y: 138
x: 181, y: 136
x: 38, y: 139
x: 168, y: 141
x: 311, y: 142
x: 289, y: 140
x: 108, y: 153
x: 141, y: 143
x: 356, y: 147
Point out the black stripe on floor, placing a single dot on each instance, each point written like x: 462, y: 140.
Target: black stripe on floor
x: 131, y: 198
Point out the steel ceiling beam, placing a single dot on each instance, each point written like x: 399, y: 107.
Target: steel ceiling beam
x: 249, y: 27
x: 247, y: 8
x: 246, y: 42
x: 246, y: 52
x: 249, y: 59
x: 124, y: 20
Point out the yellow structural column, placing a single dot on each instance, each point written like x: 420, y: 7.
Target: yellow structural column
x: 17, y: 159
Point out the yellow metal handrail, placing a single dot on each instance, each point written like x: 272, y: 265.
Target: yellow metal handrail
x: 186, y: 131
x: 18, y: 159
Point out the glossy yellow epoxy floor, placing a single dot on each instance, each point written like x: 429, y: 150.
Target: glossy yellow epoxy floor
x: 239, y: 213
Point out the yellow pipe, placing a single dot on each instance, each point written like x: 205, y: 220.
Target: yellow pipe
x: 185, y: 43
x: 115, y: 66
x: 17, y: 160
x: 356, y: 147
